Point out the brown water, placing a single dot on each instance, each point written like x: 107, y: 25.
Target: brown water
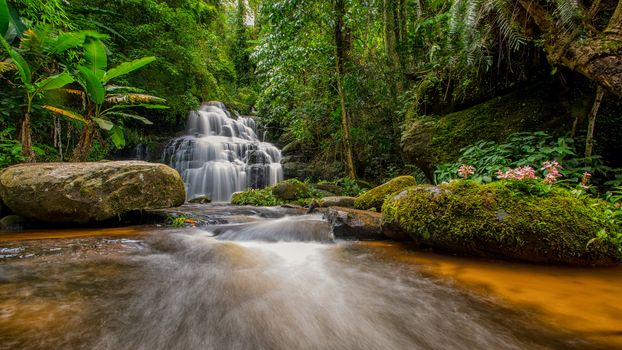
x: 150, y: 288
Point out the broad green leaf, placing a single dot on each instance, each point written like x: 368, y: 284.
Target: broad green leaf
x: 22, y: 67
x: 92, y: 85
x: 127, y: 67
x: 133, y: 116
x: 117, y: 137
x: 68, y: 41
x: 95, y: 56
x: 5, y: 17
x: 143, y: 105
x: 56, y: 81
x: 104, y: 124
x: 65, y: 113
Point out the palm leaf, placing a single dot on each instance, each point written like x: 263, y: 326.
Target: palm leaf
x: 5, y: 17
x: 104, y: 124
x: 56, y: 81
x: 92, y: 85
x: 22, y: 67
x: 142, y: 105
x: 67, y: 41
x: 65, y: 113
x: 127, y: 67
x: 133, y: 98
x: 124, y: 89
x: 95, y: 56
x: 133, y: 116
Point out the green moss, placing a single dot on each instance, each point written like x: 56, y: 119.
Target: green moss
x: 375, y: 197
x: 263, y: 197
x: 292, y: 189
x: 431, y: 140
x: 519, y: 220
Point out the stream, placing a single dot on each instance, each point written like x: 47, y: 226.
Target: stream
x: 261, y: 278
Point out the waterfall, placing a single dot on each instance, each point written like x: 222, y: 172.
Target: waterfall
x: 220, y: 155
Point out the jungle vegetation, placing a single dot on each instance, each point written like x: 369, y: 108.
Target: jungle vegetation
x: 342, y: 85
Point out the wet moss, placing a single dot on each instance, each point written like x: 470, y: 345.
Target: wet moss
x: 518, y: 220
x: 292, y: 189
x: 375, y: 197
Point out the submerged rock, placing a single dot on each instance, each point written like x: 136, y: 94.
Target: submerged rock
x: 92, y: 191
x: 353, y: 223
x: 200, y: 200
x: 337, y: 201
x: 12, y: 223
x: 376, y: 196
x: 506, y: 219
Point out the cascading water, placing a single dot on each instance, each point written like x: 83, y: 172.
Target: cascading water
x: 221, y: 155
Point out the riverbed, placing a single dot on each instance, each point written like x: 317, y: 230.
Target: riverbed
x: 262, y: 281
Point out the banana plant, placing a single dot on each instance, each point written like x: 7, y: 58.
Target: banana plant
x: 105, y: 103
x: 34, y: 84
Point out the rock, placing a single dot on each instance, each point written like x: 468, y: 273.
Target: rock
x: 92, y: 191
x: 353, y: 223
x: 375, y: 197
x: 200, y: 200
x: 12, y: 223
x: 505, y: 219
x: 332, y: 188
x: 337, y: 201
x: 291, y: 190
x: 428, y: 141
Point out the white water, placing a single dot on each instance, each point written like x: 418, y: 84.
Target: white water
x: 221, y: 155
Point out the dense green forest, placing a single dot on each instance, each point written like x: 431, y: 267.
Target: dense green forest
x: 348, y: 88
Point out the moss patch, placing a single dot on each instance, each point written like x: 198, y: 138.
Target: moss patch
x: 376, y: 196
x: 506, y: 219
x: 263, y: 197
x: 292, y: 190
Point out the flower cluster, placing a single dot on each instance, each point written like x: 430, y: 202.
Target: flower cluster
x: 520, y: 173
x: 585, y: 179
x: 466, y: 170
x: 552, y: 172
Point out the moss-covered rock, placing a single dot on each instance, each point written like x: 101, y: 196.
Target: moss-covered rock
x: 92, y: 191
x: 200, y: 200
x: 517, y: 220
x: 337, y: 201
x: 431, y: 140
x: 376, y: 196
x: 262, y: 198
x: 292, y: 189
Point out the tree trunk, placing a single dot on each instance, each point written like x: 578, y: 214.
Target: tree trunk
x: 26, y: 138
x: 598, y: 57
x: 83, y: 148
x: 341, y: 47
x: 589, y: 140
x: 390, y: 42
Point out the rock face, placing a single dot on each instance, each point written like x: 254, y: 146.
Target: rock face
x: 353, y: 223
x: 84, y: 192
x: 375, y: 197
x: 506, y: 219
x: 337, y: 201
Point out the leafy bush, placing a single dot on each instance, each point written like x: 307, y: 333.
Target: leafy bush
x: 520, y: 150
x: 262, y: 197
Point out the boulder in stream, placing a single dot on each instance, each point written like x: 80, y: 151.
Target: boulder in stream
x: 519, y: 220
x: 91, y: 191
x: 375, y: 197
x: 356, y: 224
x: 337, y: 201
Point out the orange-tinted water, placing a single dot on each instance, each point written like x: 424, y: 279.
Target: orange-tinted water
x: 586, y: 301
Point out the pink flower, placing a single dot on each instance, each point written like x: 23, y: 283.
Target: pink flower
x: 466, y: 170
x: 520, y: 173
x: 585, y: 179
x: 552, y: 171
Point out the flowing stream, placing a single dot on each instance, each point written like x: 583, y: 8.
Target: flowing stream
x: 220, y: 155
x: 258, y: 278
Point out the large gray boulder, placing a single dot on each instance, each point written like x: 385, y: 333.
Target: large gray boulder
x: 85, y: 192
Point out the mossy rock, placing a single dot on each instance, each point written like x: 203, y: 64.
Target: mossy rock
x: 428, y: 141
x: 257, y: 197
x: 375, y: 197
x: 328, y: 187
x: 290, y: 190
x: 89, y: 191
x: 506, y: 219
